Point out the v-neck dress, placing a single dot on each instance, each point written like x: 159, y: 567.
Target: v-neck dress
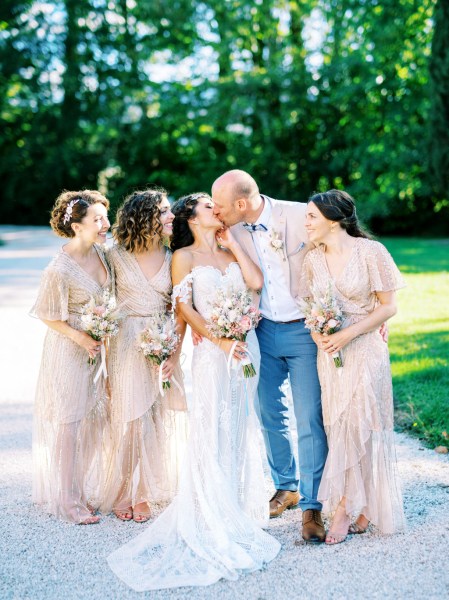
x: 70, y: 411
x: 357, y: 399
x: 148, y: 429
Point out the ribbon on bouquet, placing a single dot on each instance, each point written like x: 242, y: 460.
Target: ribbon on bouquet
x: 161, y: 381
x: 102, y: 368
x: 234, y: 364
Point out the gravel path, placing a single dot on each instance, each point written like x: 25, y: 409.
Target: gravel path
x: 42, y: 558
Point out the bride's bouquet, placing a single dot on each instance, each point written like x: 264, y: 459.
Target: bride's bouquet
x: 232, y: 316
x: 158, y: 341
x: 100, y: 320
x: 323, y: 315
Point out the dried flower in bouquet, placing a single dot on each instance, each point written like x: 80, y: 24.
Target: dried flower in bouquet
x: 323, y: 315
x: 159, y: 340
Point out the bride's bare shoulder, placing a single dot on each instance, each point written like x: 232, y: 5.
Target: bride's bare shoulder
x: 182, y: 260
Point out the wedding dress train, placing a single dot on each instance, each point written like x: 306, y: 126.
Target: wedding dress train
x: 212, y: 529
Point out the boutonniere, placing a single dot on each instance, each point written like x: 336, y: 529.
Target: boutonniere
x: 277, y: 243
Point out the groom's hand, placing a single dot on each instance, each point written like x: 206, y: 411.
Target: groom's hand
x: 197, y: 338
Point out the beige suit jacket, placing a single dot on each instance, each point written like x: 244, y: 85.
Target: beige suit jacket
x: 288, y: 220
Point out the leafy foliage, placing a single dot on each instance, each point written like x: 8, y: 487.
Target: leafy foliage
x: 305, y: 95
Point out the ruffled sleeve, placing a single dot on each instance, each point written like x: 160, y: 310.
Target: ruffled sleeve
x: 53, y: 297
x: 384, y: 276
x: 182, y: 292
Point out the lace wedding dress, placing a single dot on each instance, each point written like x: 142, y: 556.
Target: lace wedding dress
x: 212, y: 529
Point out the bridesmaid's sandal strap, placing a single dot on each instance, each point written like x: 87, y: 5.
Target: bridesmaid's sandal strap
x: 141, y: 517
x: 124, y: 514
x: 335, y: 538
x: 356, y: 528
x: 90, y: 521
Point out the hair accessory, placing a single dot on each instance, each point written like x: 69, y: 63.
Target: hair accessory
x: 68, y: 210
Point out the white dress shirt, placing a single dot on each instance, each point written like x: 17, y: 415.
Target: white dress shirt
x: 276, y: 302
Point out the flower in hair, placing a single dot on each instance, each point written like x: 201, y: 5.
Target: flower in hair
x: 69, y: 210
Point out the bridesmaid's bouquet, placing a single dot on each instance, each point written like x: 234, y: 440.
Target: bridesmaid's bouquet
x: 232, y: 316
x: 99, y: 319
x: 158, y: 341
x: 323, y: 315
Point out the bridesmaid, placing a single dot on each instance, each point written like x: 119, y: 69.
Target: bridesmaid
x: 148, y: 429
x: 70, y: 410
x: 359, y: 477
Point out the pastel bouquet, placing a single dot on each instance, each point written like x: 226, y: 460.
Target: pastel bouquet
x: 158, y: 341
x: 100, y: 320
x: 323, y: 315
x: 232, y: 316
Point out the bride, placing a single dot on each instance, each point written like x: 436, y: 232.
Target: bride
x: 212, y: 529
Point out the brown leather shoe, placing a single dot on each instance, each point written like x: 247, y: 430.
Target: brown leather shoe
x: 281, y: 500
x: 312, y: 526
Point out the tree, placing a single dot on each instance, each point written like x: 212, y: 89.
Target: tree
x: 439, y: 114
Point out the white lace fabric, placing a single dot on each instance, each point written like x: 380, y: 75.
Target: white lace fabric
x: 212, y: 529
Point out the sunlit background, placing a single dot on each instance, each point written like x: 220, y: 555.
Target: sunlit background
x: 305, y: 95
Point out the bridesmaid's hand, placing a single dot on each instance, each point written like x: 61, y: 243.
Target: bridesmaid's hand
x: 336, y: 341
x: 317, y: 337
x: 384, y: 332
x: 169, y: 368
x: 91, y: 346
x: 197, y: 338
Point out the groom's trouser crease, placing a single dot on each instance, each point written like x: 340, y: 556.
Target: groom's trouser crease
x: 287, y: 348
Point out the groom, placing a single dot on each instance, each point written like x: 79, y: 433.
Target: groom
x: 272, y: 233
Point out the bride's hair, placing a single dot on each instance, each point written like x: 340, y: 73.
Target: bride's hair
x: 184, y: 209
x: 339, y: 206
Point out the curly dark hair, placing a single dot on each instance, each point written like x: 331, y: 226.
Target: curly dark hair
x: 62, y: 216
x: 339, y: 206
x: 137, y: 223
x: 184, y: 209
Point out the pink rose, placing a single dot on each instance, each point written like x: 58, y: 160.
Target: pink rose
x: 332, y: 323
x: 99, y: 310
x: 245, y: 323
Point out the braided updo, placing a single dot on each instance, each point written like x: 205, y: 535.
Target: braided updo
x: 184, y: 209
x: 72, y: 207
x: 339, y: 206
x: 137, y: 223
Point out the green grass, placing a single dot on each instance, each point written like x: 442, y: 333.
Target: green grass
x: 419, y: 339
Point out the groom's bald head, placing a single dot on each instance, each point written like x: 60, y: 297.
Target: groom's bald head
x: 235, y: 194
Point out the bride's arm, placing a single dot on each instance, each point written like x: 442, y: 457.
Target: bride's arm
x: 251, y: 272
x: 181, y: 268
